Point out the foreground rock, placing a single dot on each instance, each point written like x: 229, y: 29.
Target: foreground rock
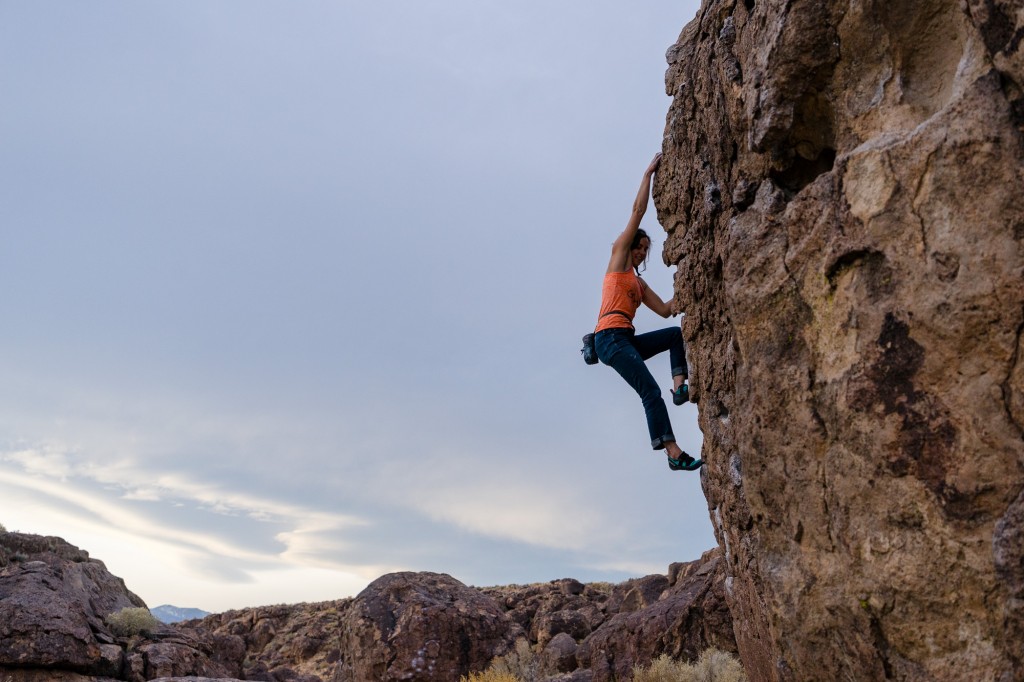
x: 841, y: 187
x: 403, y: 626
x: 53, y: 602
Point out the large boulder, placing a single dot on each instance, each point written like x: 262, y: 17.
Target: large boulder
x: 54, y: 601
x: 841, y: 190
x: 421, y: 626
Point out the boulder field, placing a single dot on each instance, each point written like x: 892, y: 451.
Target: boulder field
x: 54, y: 600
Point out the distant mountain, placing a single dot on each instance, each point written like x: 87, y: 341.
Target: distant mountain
x: 175, y: 614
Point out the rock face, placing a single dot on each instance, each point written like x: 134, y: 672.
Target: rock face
x: 841, y: 186
x: 53, y: 601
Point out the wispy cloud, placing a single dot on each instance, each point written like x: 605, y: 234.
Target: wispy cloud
x: 104, y: 491
x: 47, y: 460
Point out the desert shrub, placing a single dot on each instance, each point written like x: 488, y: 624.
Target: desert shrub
x: 131, y: 621
x: 712, y: 666
x: 489, y: 676
x: 520, y: 664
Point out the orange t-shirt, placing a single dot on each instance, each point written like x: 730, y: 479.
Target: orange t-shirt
x: 622, y: 292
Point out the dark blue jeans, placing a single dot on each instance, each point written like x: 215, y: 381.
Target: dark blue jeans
x: 625, y: 352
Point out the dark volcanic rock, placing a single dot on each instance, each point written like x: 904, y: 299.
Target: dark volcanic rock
x: 688, y: 618
x: 53, y: 602
x: 547, y: 609
x: 53, y: 599
x: 403, y: 626
x: 421, y: 626
x: 289, y: 643
x: 427, y: 626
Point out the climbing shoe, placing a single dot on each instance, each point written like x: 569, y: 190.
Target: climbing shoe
x: 681, y: 395
x: 685, y: 463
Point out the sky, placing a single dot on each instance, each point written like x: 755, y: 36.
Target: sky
x: 293, y: 292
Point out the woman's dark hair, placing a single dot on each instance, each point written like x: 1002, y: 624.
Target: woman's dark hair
x: 641, y: 234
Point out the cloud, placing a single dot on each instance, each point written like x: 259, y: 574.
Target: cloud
x: 46, y: 460
x: 131, y: 484
x: 522, y: 512
x: 142, y: 494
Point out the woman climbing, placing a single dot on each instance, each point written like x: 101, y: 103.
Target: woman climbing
x: 617, y: 342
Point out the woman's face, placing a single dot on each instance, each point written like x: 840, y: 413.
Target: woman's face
x: 639, y: 254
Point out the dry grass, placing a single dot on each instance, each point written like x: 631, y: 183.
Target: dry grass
x: 712, y: 666
x: 520, y: 664
x: 131, y: 621
x: 489, y: 676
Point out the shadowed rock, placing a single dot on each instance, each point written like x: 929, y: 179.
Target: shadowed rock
x: 689, y: 617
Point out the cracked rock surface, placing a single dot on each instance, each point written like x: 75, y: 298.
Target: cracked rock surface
x: 53, y: 603
x: 841, y: 187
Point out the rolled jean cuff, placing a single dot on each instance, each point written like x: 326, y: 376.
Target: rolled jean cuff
x: 659, y: 443
x: 676, y: 371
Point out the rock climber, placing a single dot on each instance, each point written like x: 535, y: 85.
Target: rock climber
x: 619, y: 346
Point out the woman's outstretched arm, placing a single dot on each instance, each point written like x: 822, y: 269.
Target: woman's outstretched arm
x: 620, y: 249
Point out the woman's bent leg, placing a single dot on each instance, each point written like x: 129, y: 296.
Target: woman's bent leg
x: 618, y: 351
x: 669, y: 339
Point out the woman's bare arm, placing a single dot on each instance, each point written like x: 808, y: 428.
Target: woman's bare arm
x: 619, y: 261
x: 654, y: 302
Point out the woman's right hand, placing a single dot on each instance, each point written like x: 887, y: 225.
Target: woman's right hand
x: 654, y: 164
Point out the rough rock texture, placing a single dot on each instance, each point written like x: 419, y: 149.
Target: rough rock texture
x: 16, y: 675
x: 427, y: 626
x: 283, y: 643
x: 53, y: 601
x: 403, y: 626
x: 422, y: 626
x: 841, y: 185
x: 197, y: 679
x: 686, y: 619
